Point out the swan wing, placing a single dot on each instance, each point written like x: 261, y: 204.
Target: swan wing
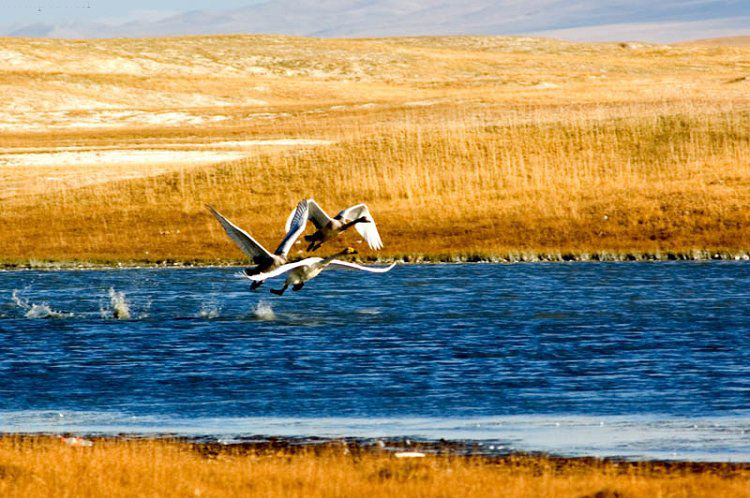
x: 244, y: 241
x: 283, y: 269
x: 368, y: 231
x: 295, y: 225
x: 347, y: 264
x: 319, y: 217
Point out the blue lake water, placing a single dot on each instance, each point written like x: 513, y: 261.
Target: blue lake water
x: 639, y: 360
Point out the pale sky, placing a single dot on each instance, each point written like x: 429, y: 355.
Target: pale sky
x: 57, y: 11
x: 590, y: 20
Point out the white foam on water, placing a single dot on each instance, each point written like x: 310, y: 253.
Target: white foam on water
x: 368, y: 311
x: 264, y: 311
x: 37, y: 311
x: 119, y: 308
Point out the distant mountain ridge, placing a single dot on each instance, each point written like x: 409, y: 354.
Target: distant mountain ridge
x: 665, y: 21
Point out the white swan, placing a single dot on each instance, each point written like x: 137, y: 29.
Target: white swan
x: 357, y: 216
x: 263, y: 259
x: 304, y: 270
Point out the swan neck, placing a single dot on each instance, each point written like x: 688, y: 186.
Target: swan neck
x: 353, y: 222
x: 334, y: 256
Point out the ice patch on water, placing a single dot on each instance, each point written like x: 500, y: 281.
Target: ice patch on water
x: 36, y: 311
x: 264, y: 311
x: 711, y: 438
x: 119, y: 308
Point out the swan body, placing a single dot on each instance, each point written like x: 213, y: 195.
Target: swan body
x: 357, y: 216
x: 264, y: 260
x: 306, y: 269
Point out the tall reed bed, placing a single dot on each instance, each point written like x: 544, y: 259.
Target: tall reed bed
x: 668, y: 182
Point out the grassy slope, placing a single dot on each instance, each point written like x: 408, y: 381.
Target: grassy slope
x: 461, y: 146
x: 727, y: 41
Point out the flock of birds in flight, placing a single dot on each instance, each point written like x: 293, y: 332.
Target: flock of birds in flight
x: 269, y: 265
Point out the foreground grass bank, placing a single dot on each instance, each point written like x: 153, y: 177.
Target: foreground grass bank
x: 32, y: 467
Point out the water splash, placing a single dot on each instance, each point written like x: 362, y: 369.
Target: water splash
x: 36, y: 311
x: 44, y: 311
x: 264, y: 311
x: 119, y: 308
x: 209, y: 311
x: 19, y: 301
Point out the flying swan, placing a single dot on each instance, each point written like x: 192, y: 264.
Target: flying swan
x: 328, y: 228
x: 306, y: 269
x: 264, y: 260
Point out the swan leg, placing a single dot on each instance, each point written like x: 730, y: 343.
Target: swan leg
x: 298, y: 287
x: 280, y: 292
x: 255, y: 285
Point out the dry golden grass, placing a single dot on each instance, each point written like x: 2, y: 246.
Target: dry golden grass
x: 728, y: 41
x: 40, y: 467
x: 653, y: 184
x: 462, y: 146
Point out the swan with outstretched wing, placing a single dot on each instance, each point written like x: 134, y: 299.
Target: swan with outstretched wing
x: 306, y: 269
x: 264, y: 260
x: 357, y: 216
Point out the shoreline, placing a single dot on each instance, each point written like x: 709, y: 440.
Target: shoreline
x: 383, y: 446
x: 388, y: 446
x: 507, y: 258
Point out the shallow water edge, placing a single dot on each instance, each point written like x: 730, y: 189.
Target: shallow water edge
x: 648, y: 437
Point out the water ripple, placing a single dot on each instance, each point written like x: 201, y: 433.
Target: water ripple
x: 662, y: 343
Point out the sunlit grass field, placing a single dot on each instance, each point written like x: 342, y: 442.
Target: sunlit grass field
x: 463, y: 147
x: 45, y: 466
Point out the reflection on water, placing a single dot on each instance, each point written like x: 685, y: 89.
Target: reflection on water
x: 634, y: 354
